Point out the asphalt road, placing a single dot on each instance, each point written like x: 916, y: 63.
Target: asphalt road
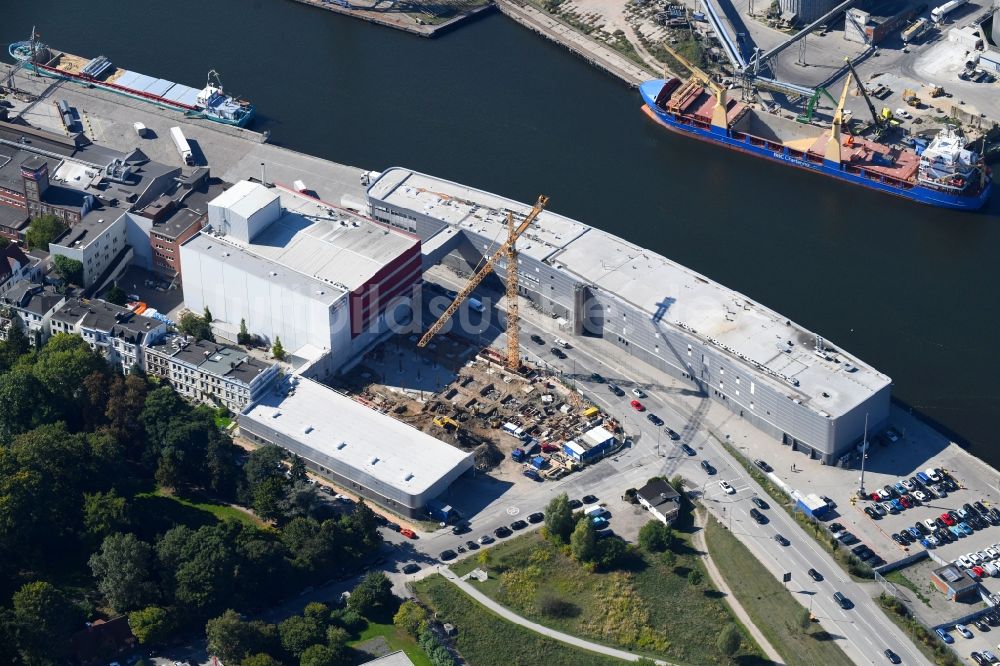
x: 863, y: 631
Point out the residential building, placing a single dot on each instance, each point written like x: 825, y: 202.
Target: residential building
x: 210, y: 372
x: 296, y: 269
x: 660, y: 499
x: 97, y: 241
x: 359, y: 448
x: 29, y: 306
x: 16, y: 266
x: 117, y: 333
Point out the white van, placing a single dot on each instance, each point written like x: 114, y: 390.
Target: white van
x: 561, y: 343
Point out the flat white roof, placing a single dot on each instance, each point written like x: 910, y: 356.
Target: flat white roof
x: 573, y: 446
x: 388, y: 450
x: 474, y: 210
x: 670, y: 294
x: 597, y: 436
x: 323, y: 242
x: 245, y: 198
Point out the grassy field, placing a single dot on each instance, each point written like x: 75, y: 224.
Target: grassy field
x: 772, y: 608
x: 397, y: 640
x: 157, y: 511
x: 485, y: 639
x: 648, y: 608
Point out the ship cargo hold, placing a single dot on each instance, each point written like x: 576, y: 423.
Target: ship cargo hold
x: 946, y: 174
x: 209, y: 102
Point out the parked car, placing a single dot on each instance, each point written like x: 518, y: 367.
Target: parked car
x: 945, y: 636
x: 537, y: 339
x: 638, y: 406
x: 616, y: 390
x: 447, y: 555
x: 411, y: 568
x: 502, y: 532
x: 486, y: 539
x: 726, y: 487
x: 758, y: 516
x: 763, y: 465
x: 688, y: 450
x: 597, y: 378
x: 919, y: 494
x: 536, y: 517
x: 590, y: 499
x: 707, y: 466
x: 637, y: 392
x: 672, y: 434
x: 962, y: 629
x: 575, y: 504
x: 518, y: 525
x: 761, y: 504
x: 408, y: 533
x: 558, y: 353
x: 872, y: 513
x: 654, y: 419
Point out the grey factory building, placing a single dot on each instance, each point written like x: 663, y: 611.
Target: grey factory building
x: 785, y: 380
x: 366, y: 452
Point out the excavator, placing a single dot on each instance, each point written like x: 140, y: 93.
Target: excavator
x: 881, y: 121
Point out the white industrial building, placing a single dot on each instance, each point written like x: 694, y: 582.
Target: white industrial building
x: 362, y: 450
x: 777, y: 375
x: 295, y: 268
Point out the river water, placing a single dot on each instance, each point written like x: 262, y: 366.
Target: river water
x: 908, y: 288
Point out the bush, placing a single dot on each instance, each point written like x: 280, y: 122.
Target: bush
x: 555, y: 606
x: 655, y: 537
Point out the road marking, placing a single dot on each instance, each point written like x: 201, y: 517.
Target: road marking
x: 513, y: 511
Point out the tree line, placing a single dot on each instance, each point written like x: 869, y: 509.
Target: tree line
x: 90, y: 464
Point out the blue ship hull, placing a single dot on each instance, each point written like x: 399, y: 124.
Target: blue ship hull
x: 705, y: 132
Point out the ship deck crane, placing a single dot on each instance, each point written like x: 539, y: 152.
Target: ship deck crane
x: 505, y: 250
x: 720, y: 117
x: 833, y: 144
x: 880, y: 122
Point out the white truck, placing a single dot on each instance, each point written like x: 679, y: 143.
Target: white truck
x: 939, y: 13
x: 182, y: 145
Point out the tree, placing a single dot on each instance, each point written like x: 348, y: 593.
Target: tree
x: 195, y: 326
x: 319, y: 655
x: 298, y: 633
x: 298, y: 471
x: 243, y: 337
x: 47, y: 620
x: 42, y: 231
x: 695, y: 577
x: 669, y: 558
x: 70, y: 270
x: 729, y: 640
x: 116, y: 295
x: 260, y: 659
x: 232, y: 639
x: 411, y: 618
x: 277, y: 350
x: 656, y: 537
x: 4, y: 242
x: 151, y: 625
x: 123, y: 568
x: 24, y: 403
x: 559, y: 518
x: 207, y: 316
x: 267, y: 498
x: 104, y: 513
x: 583, y: 542
x: 373, y: 597
x: 610, y: 551
x: 805, y: 618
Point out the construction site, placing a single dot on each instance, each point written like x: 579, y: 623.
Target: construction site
x: 465, y: 396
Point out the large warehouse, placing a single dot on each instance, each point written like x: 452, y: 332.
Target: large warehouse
x: 786, y: 380
x: 366, y: 452
x: 297, y: 269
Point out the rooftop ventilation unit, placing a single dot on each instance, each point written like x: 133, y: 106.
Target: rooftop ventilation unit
x: 308, y: 429
x: 374, y: 461
x: 276, y: 414
x: 341, y: 446
x: 408, y: 476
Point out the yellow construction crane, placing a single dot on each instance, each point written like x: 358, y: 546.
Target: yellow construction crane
x: 505, y: 250
x: 719, y: 113
x: 833, y: 145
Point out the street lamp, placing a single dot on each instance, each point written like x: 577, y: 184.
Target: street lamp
x: 864, y: 454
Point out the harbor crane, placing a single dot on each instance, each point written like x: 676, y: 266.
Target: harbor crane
x: 880, y: 121
x: 506, y: 250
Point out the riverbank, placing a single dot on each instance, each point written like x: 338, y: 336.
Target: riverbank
x: 422, y: 24
x: 597, y: 54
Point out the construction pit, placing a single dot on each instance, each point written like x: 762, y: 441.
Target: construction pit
x: 463, y: 395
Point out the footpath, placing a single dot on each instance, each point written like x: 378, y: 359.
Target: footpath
x: 722, y: 586
x: 510, y: 616
x: 597, y: 54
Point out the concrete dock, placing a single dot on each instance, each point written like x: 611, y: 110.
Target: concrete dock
x: 600, y: 55
x: 405, y: 21
x: 232, y: 153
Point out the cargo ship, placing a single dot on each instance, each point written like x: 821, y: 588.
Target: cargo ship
x: 210, y: 102
x: 944, y: 173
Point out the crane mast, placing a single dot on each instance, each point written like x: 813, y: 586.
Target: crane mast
x: 506, y: 250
